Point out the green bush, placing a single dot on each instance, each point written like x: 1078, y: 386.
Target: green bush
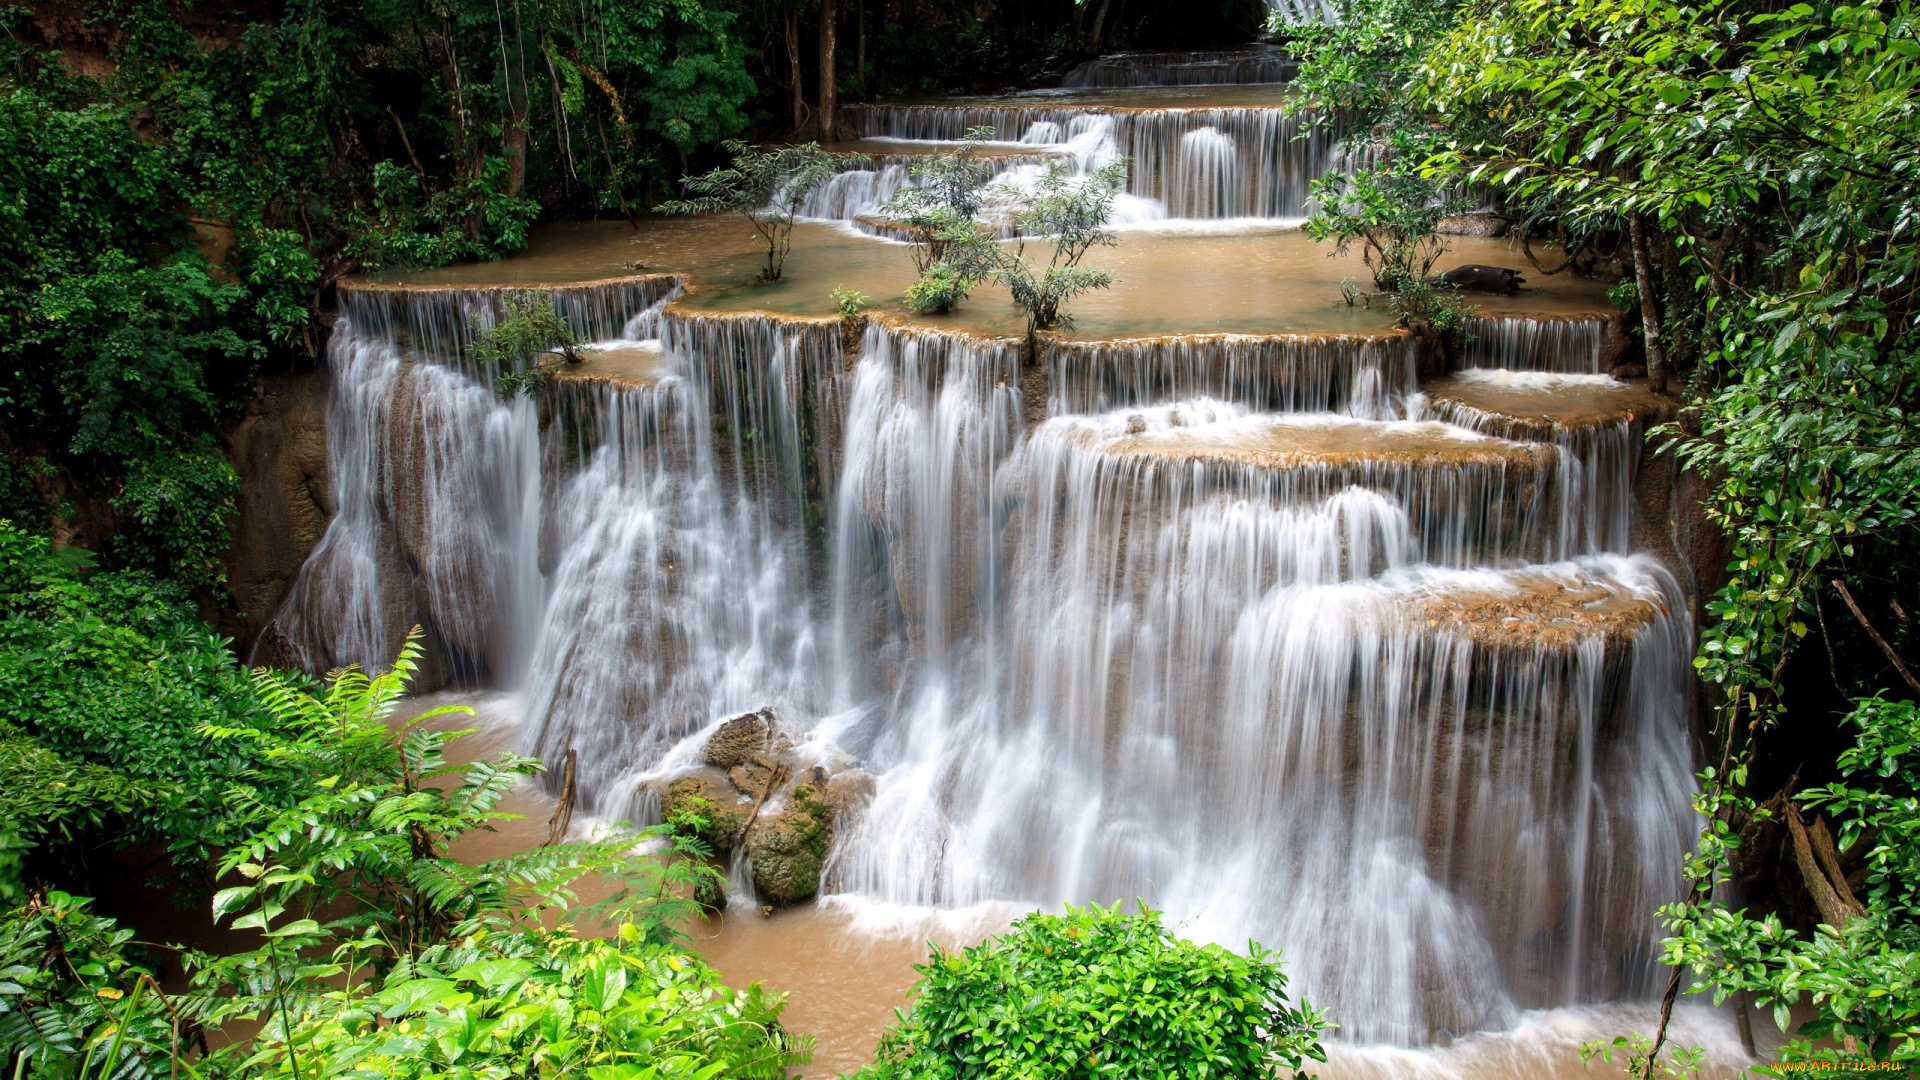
x: 1098, y: 993
x: 110, y: 675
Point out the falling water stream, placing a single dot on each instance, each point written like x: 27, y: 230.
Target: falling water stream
x: 1255, y: 626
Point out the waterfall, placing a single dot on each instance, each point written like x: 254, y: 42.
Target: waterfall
x: 1536, y: 343
x: 1257, y: 629
x: 1274, y: 154
x: 1249, y: 697
x: 1360, y: 374
x: 1206, y: 176
x: 1225, y: 67
x: 1598, y: 458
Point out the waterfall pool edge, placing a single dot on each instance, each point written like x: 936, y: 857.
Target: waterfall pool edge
x: 1178, y: 278
x: 847, y: 965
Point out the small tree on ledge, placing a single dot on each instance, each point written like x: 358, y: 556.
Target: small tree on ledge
x: 767, y: 187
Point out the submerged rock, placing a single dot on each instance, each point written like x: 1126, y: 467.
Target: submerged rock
x: 789, y: 848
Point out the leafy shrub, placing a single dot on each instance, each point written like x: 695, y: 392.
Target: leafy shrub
x: 1391, y: 212
x: 1072, y: 214
x: 75, y: 1000
x: 947, y: 192
x: 543, y: 1005
x: 1431, y: 308
x: 530, y: 327
x: 1097, y: 992
x: 940, y: 286
x: 850, y: 302
x: 112, y: 671
x: 766, y: 187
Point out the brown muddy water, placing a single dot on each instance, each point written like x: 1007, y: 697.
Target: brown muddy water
x: 1184, y: 278
x: 847, y: 966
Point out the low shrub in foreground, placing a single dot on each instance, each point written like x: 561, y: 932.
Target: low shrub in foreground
x: 1096, y: 992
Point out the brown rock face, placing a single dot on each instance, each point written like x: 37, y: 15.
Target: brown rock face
x: 740, y: 739
x: 280, y: 451
x: 1474, y: 224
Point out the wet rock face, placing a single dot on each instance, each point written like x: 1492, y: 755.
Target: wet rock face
x: 280, y: 451
x: 739, y: 739
x: 789, y: 848
x: 1472, y: 224
x: 756, y: 791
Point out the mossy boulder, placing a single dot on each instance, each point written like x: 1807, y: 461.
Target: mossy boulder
x: 707, y: 808
x: 789, y: 849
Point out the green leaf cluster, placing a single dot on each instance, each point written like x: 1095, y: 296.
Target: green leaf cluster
x: 1099, y: 992
x: 107, y: 681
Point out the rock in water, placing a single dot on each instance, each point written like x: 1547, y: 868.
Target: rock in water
x: 790, y: 848
x: 710, y: 799
x: 739, y: 739
x: 1494, y: 279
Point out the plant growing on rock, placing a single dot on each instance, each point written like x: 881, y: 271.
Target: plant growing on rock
x: 767, y: 187
x: 1071, y: 213
x: 850, y: 302
x: 530, y: 327
x: 1098, y: 992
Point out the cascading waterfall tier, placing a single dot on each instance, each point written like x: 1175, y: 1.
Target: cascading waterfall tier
x: 1468, y: 499
x: 1358, y: 374
x: 1208, y: 162
x: 1203, y: 681
x: 1597, y: 422
x: 440, y: 322
x: 1206, y: 68
x: 1563, y: 343
x: 438, y: 483
x: 1258, y: 629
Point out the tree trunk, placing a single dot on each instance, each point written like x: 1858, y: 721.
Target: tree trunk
x: 860, y: 46
x: 1649, y: 311
x: 1833, y: 899
x: 1094, y: 29
x: 829, y: 92
x: 793, y: 66
x: 515, y: 136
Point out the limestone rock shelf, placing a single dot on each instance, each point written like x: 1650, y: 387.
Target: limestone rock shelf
x: 1541, y: 405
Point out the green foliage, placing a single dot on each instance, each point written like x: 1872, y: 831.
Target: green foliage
x: 1097, y: 992
x: 74, y: 1002
x: 372, y: 826
x: 850, y: 302
x: 1391, y: 212
x: 529, y: 327
x: 947, y: 193
x: 1862, y: 979
x: 1431, y: 308
x: 171, y: 225
x: 106, y: 680
x: 1071, y: 213
x: 1635, y: 1053
x: 179, y: 502
x: 766, y: 187
x: 549, y: 1004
